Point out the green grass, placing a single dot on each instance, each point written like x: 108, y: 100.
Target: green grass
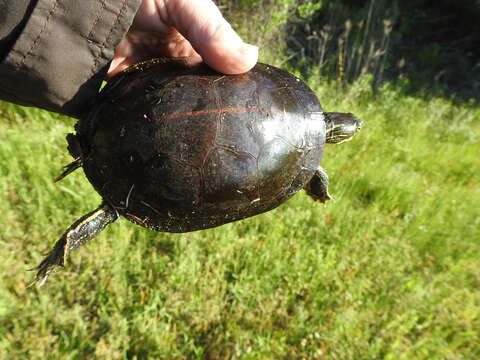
x: 389, y: 270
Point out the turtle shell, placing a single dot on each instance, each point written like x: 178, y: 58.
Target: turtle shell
x: 180, y: 149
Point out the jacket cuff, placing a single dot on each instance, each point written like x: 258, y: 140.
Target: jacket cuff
x: 62, y: 55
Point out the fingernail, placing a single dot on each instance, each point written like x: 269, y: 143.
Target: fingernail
x: 249, y: 49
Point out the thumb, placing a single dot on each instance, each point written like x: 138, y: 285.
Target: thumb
x: 202, y: 24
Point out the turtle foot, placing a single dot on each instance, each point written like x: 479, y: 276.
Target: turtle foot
x: 55, y: 258
x: 316, y: 197
x: 317, y: 187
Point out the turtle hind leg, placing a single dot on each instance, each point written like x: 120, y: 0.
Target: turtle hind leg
x: 81, y: 231
x: 317, y: 187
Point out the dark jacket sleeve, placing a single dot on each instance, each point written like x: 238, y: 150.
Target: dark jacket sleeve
x: 62, y: 51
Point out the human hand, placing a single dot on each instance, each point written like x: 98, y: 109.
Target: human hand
x: 183, y: 28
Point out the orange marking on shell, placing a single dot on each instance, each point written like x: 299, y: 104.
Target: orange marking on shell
x: 208, y: 111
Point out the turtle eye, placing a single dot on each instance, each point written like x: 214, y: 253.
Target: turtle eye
x: 347, y: 130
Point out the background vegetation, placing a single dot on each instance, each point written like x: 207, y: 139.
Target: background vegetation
x: 389, y: 270
x: 431, y: 45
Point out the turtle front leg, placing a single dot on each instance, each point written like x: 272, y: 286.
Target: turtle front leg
x: 317, y: 187
x: 81, y: 231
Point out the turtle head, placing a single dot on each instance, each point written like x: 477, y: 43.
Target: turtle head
x: 341, y: 127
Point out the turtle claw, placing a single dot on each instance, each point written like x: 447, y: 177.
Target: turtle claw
x: 68, y: 169
x: 43, y: 280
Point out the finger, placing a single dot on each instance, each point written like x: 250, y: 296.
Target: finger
x: 202, y: 24
x: 138, y: 46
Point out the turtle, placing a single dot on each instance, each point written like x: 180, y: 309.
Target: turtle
x: 177, y: 148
